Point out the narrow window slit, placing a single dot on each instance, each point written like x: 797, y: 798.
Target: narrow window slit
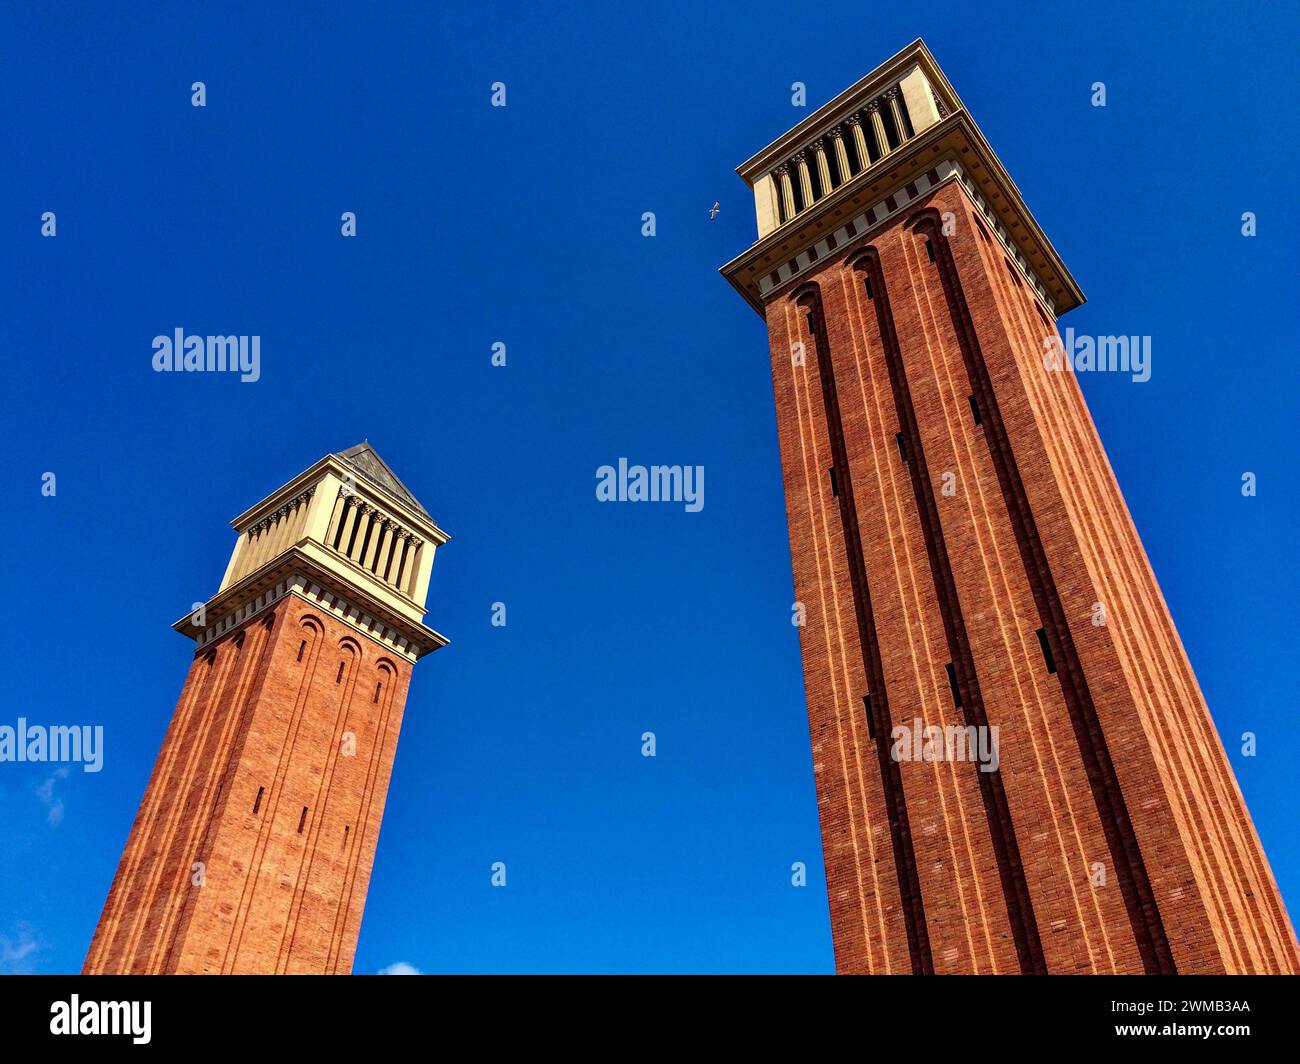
x: 339, y: 677
x: 301, y: 647
x: 378, y: 687
x: 952, y: 684
x: 975, y: 409
x: 1047, y: 650
x: 902, y: 445
x: 871, y: 724
x: 867, y: 281
x: 929, y: 248
x: 257, y: 802
x: 835, y: 484
x: 302, y: 819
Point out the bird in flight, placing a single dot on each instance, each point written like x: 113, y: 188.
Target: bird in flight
x: 713, y: 211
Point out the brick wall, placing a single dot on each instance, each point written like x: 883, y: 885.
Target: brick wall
x: 265, y: 709
x: 973, y: 534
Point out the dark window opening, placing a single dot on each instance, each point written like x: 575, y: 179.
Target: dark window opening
x: 908, y: 131
x: 902, y: 445
x: 833, y: 165
x: 812, y: 324
x: 302, y: 819
x: 952, y: 684
x: 796, y: 187
x: 975, y: 409
x: 378, y: 687
x: 871, y: 724
x: 401, y: 564
x: 851, y: 150
x: 352, y: 539
x: 835, y: 483
x: 257, y: 802
x: 365, y: 543
x: 339, y: 677
x: 347, y: 830
x: 891, y: 129
x: 815, y: 176
x: 1047, y: 650
x: 874, y: 147
x: 929, y: 248
x: 301, y: 647
x: 870, y: 291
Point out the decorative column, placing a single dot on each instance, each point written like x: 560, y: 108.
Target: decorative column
x: 351, y: 516
x: 782, y: 175
x: 878, y: 127
x: 841, y: 153
x: 805, y: 178
x: 403, y: 562
x: 896, y: 109
x: 378, y: 544
x: 859, y: 140
x: 823, y: 167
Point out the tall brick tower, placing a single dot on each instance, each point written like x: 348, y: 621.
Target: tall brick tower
x: 252, y: 849
x: 966, y: 561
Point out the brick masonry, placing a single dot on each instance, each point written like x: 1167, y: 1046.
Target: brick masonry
x: 258, y: 782
x: 1111, y: 766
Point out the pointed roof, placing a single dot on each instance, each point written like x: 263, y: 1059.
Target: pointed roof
x: 366, y: 461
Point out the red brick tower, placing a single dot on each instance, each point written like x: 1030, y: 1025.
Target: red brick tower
x: 966, y: 562
x: 252, y: 849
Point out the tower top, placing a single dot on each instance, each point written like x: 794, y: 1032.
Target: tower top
x: 345, y: 533
x: 863, y: 157
x: 366, y: 461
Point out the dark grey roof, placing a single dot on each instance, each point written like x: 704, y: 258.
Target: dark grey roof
x: 366, y: 461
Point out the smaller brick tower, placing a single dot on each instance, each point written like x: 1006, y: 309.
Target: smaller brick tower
x: 252, y: 849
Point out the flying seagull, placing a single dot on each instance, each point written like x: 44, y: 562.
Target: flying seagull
x: 713, y: 211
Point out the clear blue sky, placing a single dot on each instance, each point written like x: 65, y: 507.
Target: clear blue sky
x: 522, y: 225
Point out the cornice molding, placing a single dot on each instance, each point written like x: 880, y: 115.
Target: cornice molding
x: 261, y: 589
x: 955, y: 137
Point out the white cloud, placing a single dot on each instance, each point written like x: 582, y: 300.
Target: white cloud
x: 52, y: 803
x: 400, y: 968
x: 15, y: 951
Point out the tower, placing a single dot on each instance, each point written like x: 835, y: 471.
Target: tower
x: 252, y: 849
x: 972, y: 581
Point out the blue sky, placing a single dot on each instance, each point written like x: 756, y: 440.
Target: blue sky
x: 522, y: 225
